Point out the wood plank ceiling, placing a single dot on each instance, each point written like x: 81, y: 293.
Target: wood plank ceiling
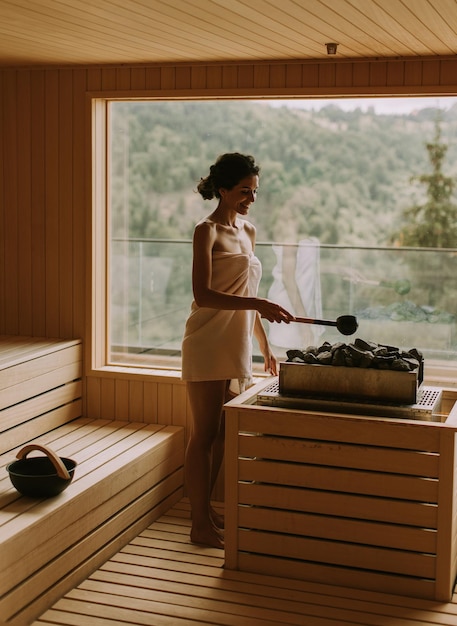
x: 87, y: 32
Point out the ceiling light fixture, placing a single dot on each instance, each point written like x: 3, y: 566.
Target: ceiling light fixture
x: 331, y: 48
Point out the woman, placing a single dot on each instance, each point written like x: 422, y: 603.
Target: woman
x: 217, y: 344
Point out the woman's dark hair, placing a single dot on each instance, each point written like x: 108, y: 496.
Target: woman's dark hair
x: 227, y: 172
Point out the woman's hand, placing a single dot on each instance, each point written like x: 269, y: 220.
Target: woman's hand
x: 273, y: 312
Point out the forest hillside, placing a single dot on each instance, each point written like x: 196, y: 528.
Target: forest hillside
x: 341, y: 176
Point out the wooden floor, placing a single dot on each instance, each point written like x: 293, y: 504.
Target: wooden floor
x: 160, y: 579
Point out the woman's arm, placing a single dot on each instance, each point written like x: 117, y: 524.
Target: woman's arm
x: 270, y: 362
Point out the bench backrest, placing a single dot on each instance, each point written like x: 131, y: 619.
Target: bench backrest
x: 40, y: 387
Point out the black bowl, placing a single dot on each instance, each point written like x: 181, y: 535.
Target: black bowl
x: 37, y: 477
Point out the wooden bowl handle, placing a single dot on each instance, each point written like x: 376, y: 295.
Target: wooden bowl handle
x: 56, y: 460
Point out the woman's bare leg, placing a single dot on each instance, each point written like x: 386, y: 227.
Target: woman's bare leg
x: 203, y: 453
x: 216, y: 462
x: 218, y: 456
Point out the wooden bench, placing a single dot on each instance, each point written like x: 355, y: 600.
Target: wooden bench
x: 127, y: 475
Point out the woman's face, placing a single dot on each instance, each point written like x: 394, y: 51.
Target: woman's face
x: 240, y: 197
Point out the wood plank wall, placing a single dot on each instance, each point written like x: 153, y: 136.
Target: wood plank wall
x: 45, y: 212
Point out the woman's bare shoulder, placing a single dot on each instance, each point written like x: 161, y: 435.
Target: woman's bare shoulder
x: 205, y: 229
x: 250, y: 228
x: 205, y: 223
x: 250, y: 231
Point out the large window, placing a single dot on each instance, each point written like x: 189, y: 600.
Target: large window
x: 337, y: 180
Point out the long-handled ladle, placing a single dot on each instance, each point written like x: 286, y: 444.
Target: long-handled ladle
x: 346, y: 324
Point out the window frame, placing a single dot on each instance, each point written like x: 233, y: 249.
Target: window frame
x: 99, y: 236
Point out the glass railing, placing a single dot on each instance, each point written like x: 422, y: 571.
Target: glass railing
x: 405, y: 297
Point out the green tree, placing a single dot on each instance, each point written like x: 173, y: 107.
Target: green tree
x: 434, y: 223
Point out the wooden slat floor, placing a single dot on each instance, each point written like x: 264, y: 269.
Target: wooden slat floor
x: 161, y: 579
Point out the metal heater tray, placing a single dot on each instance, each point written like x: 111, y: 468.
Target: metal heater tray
x: 351, y: 383
x: 426, y: 408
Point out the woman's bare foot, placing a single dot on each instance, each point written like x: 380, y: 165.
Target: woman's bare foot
x: 217, y: 519
x: 208, y: 537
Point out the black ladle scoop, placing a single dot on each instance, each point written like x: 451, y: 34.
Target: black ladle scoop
x: 346, y: 324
